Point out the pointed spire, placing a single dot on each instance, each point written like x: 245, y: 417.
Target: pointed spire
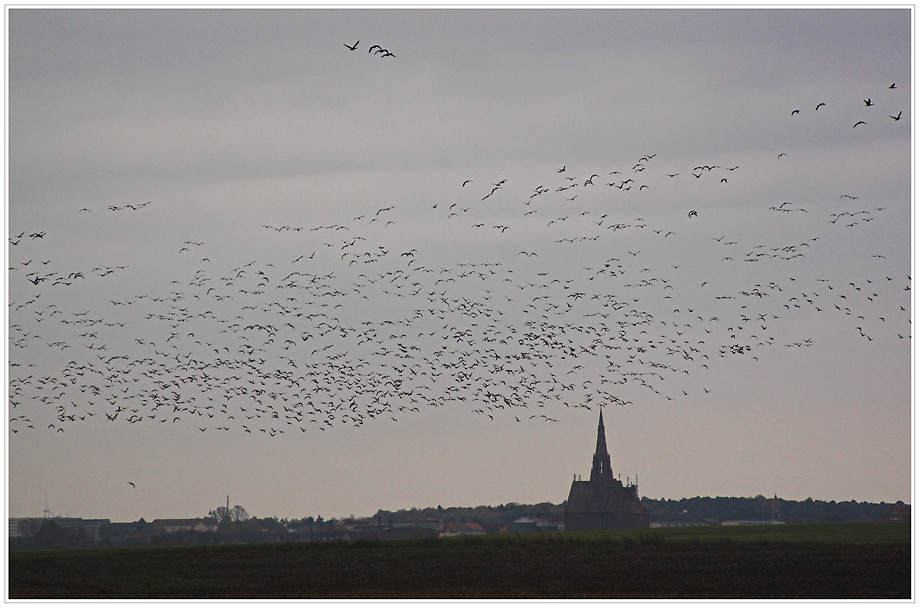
x: 600, y: 468
x: 601, y: 448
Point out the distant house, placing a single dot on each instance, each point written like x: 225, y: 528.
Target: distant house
x: 124, y: 529
x: 168, y: 526
x: 471, y: 528
x: 898, y: 512
x: 533, y: 524
x: 29, y: 526
x: 603, y: 502
x: 24, y: 527
x: 464, y: 529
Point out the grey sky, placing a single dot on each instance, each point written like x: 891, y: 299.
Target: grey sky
x: 308, y: 235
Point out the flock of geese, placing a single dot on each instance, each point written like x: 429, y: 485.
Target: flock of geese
x: 375, y: 49
x: 584, y: 292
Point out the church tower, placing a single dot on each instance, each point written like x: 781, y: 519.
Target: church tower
x: 603, y: 502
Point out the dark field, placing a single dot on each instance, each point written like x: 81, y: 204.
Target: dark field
x: 859, y: 561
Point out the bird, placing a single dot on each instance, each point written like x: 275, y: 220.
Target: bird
x: 794, y: 112
x: 692, y: 213
x: 861, y: 122
x: 131, y: 483
x: 819, y: 105
x: 892, y: 86
x: 898, y: 117
x: 868, y: 101
x: 352, y: 47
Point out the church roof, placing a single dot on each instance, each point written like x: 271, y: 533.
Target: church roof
x: 592, y: 497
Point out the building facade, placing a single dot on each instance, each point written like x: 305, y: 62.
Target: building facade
x: 26, y: 527
x: 603, y: 502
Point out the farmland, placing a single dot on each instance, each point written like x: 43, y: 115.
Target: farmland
x: 804, y: 561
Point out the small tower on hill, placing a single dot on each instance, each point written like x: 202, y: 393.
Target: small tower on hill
x: 603, y: 502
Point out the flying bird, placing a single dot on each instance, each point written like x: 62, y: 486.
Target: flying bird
x: 898, y: 117
x: 861, y: 122
x: 692, y: 213
x: 819, y: 105
x: 353, y: 47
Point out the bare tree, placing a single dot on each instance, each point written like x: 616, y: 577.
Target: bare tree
x: 221, y: 514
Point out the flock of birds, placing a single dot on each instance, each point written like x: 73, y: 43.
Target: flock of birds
x: 374, y: 49
x: 345, y: 324
x: 866, y: 102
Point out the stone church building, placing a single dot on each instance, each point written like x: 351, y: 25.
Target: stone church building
x: 603, y: 502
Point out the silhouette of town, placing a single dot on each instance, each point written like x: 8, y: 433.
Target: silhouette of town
x: 601, y: 502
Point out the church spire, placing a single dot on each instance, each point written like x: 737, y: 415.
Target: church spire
x: 600, y: 467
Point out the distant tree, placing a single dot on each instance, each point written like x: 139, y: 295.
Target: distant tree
x: 53, y: 536
x: 223, y: 514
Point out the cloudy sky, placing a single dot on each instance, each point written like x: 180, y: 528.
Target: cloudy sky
x: 247, y: 260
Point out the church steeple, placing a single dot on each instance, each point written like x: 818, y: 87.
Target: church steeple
x: 600, y: 468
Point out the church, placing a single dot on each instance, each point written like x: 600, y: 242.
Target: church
x: 603, y: 502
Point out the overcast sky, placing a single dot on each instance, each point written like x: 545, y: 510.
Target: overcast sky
x: 246, y: 260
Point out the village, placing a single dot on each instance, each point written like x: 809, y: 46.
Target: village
x: 599, y: 503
